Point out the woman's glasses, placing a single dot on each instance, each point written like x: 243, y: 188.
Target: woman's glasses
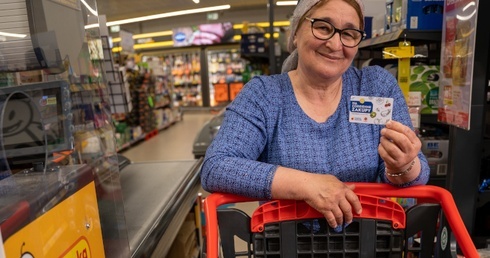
x: 324, y: 30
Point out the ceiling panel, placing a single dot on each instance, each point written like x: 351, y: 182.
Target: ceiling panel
x: 122, y: 9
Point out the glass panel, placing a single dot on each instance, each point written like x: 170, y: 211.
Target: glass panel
x: 60, y: 164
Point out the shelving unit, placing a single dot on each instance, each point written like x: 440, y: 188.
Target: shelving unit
x: 186, y: 72
x: 427, y: 46
x: 165, y: 109
x: 465, y: 167
x: 226, y: 69
x: 416, y: 37
x: 427, y: 51
x: 118, y: 88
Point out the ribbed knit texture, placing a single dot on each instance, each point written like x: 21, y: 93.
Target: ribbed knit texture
x: 265, y: 127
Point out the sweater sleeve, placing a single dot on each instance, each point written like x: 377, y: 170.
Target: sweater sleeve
x: 402, y: 115
x: 230, y: 164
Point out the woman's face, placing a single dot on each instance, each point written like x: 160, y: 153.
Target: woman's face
x: 326, y: 58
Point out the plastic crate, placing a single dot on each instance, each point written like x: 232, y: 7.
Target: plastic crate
x: 285, y: 228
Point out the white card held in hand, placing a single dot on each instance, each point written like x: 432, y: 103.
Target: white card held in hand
x: 370, y: 110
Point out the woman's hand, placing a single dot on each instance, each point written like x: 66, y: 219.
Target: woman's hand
x: 325, y: 193
x: 399, y: 146
x: 334, y: 199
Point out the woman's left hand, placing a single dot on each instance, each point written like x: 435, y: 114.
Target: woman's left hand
x: 399, y: 146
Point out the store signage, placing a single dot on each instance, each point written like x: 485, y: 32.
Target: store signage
x: 212, y: 16
x: 127, y: 42
x: 204, y: 34
x: 115, y: 28
x: 180, y: 37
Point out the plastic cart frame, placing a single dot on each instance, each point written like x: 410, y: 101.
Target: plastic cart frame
x: 376, y: 205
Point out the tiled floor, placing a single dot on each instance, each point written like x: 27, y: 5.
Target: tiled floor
x: 173, y: 143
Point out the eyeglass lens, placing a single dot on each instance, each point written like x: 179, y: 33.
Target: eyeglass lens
x: 324, y: 30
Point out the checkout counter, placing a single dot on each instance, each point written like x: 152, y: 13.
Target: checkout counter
x: 157, y: 198
x: 68, y: 212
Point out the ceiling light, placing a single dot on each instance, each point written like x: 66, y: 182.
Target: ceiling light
x: 14, y: 35
x: 89, y: 8
x: 163, y: 15
x: 285, y: 3
x: 195, y: 1
x: 148, y: 35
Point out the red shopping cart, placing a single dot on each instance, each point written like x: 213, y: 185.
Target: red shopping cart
x: 286, y: 228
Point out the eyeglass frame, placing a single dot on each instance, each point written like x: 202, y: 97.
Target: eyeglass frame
x: 335, y: 30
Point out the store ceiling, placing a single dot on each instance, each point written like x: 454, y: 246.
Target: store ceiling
x: 123, y: 9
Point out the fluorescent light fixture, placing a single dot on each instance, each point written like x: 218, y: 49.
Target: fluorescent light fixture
x: 170, y: 43
x: 286, y: 3
x: 148, y: 35
x: 147, y: 45
x: 163, y: 15
x: 262, y: 24
x: 89, y: 8
x: 13, y: 35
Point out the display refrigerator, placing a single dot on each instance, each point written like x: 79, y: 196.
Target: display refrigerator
x: 203, y: 76
x: 185, y: 74
x: 225, y: 73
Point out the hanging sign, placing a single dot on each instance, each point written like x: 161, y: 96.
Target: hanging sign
x: 204, y: 34
x: 127, y: 41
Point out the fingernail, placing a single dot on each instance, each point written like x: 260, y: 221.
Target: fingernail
x: 359, y: 212
x: 338, y: 229
x: 346, y: 224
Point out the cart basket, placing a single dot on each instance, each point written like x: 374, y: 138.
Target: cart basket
x: 288, y: 228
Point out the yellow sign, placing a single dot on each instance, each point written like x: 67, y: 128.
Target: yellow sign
x: 70, y: 229
x: 79, y: 249
x: 403, y: 53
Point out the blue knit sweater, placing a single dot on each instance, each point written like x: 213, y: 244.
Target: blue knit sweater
x: 265, y: 127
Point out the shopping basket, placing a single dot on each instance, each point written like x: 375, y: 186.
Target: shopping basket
x: 286, y: 228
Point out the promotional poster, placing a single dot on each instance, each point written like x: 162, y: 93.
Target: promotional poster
x: 457, y: 58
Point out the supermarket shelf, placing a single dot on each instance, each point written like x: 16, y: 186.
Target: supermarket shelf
x: 392, y: 39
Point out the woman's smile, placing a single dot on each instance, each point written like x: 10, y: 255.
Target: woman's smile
x: 330, y: 56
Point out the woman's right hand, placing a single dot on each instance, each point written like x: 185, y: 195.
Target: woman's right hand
x: 325, y: 193
x: 334, y: 199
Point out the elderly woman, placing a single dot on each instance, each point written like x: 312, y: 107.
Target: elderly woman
x: 292, y: 136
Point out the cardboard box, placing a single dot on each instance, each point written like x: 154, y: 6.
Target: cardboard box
x: 436, y: 151
x: 185, y: 242
x: 253, y: 38
x: 252, y: 48
x: 368, y: 26
x: 414, y: 14
x: 425, y: 79
x: 424, y: 14
x: 252, y: 43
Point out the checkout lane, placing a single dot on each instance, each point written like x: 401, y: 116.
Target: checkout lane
x: 157, y: 196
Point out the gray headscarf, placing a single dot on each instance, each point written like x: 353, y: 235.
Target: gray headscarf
x: 303, y: 7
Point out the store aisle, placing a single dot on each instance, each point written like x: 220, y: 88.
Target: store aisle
x: 173, y: 143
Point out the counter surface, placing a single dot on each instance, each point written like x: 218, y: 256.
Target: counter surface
x: 153, y: 193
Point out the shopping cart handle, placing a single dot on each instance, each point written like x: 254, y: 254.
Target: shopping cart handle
x: 428, y: 193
